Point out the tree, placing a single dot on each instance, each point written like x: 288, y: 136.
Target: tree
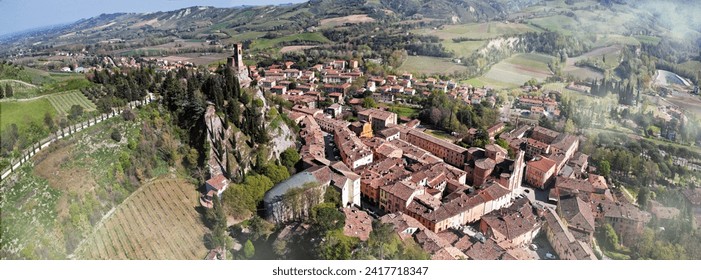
x: 8, y: 90
x: 609, y: 236
x: 248, y: 250
x: 333, y: 196
x: 115, y: 135
x: 276, y: 173
x: 569, y: 126
x: 643, y: 196
x: 2, y: 92
x: 259, y: 227
x: 369, y: 102
x: 502, y: 143
x: 289, y: 157
x: 605, y: 168
x: 337, y: 246
x: 75, y: 112
x: 49, y: 122
x: 326, y: 217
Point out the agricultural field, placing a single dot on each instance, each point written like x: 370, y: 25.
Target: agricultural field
x: 20, y: 89
x: 487, y: 30
x: 24, y: 113
x: 62, y: 102
x: 479, y: 32
x: 158, y: 221
x: 558, y: 23
x: 338, y: 21
x: 430, y: 65
x: 605, y: 58
x: 464, y: 49
x: 520, y: 68
x: 53, y: 202
x: 261, y: 43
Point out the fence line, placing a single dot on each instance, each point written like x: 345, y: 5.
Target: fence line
x: 68, y: 131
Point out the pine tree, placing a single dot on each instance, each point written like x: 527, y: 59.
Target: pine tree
x: 8, y: 90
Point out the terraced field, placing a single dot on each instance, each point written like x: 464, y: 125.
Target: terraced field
x: 63, y: 101
x: 158, y: 221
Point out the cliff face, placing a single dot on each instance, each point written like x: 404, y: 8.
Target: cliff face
x: 234, y: 153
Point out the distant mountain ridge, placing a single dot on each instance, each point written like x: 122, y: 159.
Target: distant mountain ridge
x: 191, y: 21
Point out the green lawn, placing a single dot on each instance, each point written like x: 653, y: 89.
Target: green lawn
x: 440, y: 134
x: 404, y: 111
x: 24, y: 113
x: 430, y: 65
x: 307, y: 37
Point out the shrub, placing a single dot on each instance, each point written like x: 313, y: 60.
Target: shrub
x: 116, y: 136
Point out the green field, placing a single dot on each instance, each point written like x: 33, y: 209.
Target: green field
x: 652, y: 40
x: 251, y: 35
x: 62, y: 102
x: 559, y: 23
x: 430, y: 65
x: 20, y: 89
x: 487, y: 30
x: 23, y: 113
x: 405, y: 111
x: 520, y: 68
x: 481, y: 32
x: 463, y: 49
x: 306, y: 37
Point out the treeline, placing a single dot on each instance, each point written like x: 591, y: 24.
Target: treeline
x: 382, y: 41
x: 8, y: 70
x: 457, y: 116
x: 687, y: 72
x: 465, y: 39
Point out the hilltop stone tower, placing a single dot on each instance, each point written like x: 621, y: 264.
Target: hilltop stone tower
x: 235, y: 62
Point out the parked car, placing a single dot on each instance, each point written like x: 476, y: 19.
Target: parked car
x: 534, y: 247
x: 550, y: 256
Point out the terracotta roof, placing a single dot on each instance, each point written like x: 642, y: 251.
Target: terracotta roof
x: 489, y: 250
x: 218, y: 182
x: 624, y: 211
x: 358, y: 223
x: 485, y: 163
x: 403, y: 224
x: 544, y: 164
x: 514, y: 221
x: 577, y: 213
x: 376, y: 114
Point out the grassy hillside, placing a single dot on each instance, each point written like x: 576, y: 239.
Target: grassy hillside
x: 518, y: 69
x: 24, y: 113
x: 303, y: 37
x: 429, y: 65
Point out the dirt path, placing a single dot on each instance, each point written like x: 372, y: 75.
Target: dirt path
x: 20, y: 82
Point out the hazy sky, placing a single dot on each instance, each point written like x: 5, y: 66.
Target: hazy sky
x: 18, y: 15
